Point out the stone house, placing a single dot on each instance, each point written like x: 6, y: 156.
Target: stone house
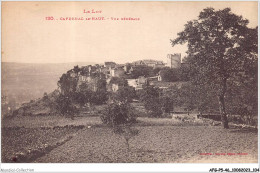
x: 112, y: 87
x: 117, y: 72
x: 115, y: 87
x: 159, y: 64
x: 90, y: 81
x: 132, y: 82
x: 154, y: 63
x: 141, y: 82
x: 138, y: 83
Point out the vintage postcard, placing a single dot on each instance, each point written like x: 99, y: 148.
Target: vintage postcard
x: 129, y: 82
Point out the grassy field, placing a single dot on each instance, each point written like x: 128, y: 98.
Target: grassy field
x: 159, y: 141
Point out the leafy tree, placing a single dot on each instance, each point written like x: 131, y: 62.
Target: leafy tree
x: 166, y: 103
x: 119, y: 81
x: 157, y: 70
x: 65, y: 106
x: 83, y: 95
x: 200, y: 97
x: 118, y: 113
x: 142, y: 70
x: 170, y: 74
x: 124, y: 94
x: 219, y: 45
x: 101, y: 84
x: 76, y: 69
x: 242, y: 97
x: 97, y: 74
x: 99, y: 97
x: 150, y: 96
x: 192, y: 97
x: 184, y: 73
x: 188, y: 98
x: 173, y: 92
x: 67, y: 83
x: 156, y: 101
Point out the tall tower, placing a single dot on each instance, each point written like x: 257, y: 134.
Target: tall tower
x: 174, y: 60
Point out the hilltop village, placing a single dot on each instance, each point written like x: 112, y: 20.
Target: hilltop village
x: 110, y: 77
x: 138, y: 73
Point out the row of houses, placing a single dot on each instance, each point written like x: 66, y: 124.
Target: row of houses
x: 122, y: 70
x: 150, y: 63
x: 90, y: 74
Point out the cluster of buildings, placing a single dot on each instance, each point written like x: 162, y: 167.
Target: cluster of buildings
x: 92, y: 73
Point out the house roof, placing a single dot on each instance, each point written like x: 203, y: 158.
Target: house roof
x: 161, y: 84
x: 147, y: 61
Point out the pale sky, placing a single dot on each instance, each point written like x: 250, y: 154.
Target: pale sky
x: 27, y: 37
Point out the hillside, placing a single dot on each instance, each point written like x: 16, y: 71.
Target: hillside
x: 23, y: 82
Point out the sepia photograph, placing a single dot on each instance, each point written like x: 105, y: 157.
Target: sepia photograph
x: 129, y: 82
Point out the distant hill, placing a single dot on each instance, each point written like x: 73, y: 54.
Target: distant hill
x: 23, y: 82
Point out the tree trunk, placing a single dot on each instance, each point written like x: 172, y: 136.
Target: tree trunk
x: 221, y: 100
x: 127, y: 144
x: 223, y: 112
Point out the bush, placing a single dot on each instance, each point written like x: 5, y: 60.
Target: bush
x: 99, y: 97
x: 150, y: 96
x: 124, y: 94
x: 120, y: 116
x: 166, y: 103
x: 116, y: 114
x: 65, y: 106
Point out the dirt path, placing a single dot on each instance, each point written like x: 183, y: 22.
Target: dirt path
x: 174, y: 144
